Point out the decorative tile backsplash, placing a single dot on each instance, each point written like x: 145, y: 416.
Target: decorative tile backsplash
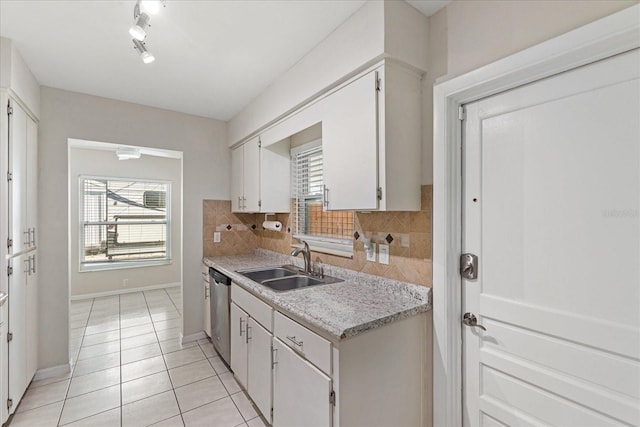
x: 407, y: 233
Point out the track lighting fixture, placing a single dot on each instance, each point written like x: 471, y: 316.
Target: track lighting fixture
x: 141, y: 13
x: 139, y: 30
x: 146, y: 56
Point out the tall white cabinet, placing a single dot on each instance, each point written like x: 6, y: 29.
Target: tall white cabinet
x: 19, y: 214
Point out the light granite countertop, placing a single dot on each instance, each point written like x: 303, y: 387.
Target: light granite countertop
x: 339, y: 310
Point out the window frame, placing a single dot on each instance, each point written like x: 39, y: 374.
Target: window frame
x: 329, y: 245
x: 120, y: 264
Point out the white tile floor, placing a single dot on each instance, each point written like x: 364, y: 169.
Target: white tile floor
x: 131, y: 370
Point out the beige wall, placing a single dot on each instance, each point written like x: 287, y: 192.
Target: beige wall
x: 467, y: 34
x: 480, y: 32
x: 105, y: 163
x: 206, y: 175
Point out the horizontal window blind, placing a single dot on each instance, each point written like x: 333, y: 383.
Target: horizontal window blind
x: 123, y: 220
x: 310, y: 219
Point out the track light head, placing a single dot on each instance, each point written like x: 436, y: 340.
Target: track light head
x: 146, y: 56
x: 139, y: 30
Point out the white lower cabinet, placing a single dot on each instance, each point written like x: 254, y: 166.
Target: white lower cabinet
x: 239, y: 360
x: 206, y: 307
x: 298, y: 378
x: 300, y: 390
x: 259, y: 366
x: 251, y: 321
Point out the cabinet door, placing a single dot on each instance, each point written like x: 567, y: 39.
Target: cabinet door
x: 252, y: 175
x: 18, y: 188
x: 4, y: 366
x: 237, y: 171
x: 259, y: 367
x: 350, y: 146
x: 17, y: 326
x: 32, y: 179
x: 300, y: 391
x: 31, y: 313
x: 207, y: 309
x: 238, y: 328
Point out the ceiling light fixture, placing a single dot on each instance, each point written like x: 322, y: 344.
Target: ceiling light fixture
x: 139, y: 30
x: 127, y: 153
x: 146, y: 56
x: 152, y: 7
x: 141, y: 12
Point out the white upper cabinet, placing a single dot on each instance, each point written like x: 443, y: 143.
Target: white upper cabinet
x: 350, y: 146
x: 245, y: 177
x: 260, y: 177
x: 371, y: 140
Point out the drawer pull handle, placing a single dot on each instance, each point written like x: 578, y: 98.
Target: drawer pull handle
x: 241, y: 320
x: 293, y: 340
x: 247, y: 336
x: 274, y: 351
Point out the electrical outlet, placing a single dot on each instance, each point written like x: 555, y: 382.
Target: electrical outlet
x: 216, y: 237
x: 371, y: 253
x: 384, y: 254
x: 125, y: 283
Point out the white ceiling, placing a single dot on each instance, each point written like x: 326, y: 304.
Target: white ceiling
x: 212, y: 57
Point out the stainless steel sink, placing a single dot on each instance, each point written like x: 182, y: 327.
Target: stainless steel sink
x: 292, y: 282
x: 267, y: 274
x: 285, y: 278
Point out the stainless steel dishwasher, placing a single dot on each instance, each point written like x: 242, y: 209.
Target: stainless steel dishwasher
x: 220, y: 300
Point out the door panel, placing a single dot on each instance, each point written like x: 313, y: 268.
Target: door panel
x: 252, y: 176
x: 17, y: 326
x: 31, y: 317
x: 259, y: 367
x: 238, y: 329
x: 237, y: 171
x: 350, y: 146
x: 551, y: 205
x: 32, y: 180
x: 300, y: 391
x: 18, y: 167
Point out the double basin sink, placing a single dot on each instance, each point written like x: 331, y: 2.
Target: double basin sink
x: 286, y: 278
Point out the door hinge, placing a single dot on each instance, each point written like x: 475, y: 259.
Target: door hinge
x: 332, y: 398
x: 461, y: 113
x: 259, y: 143
x: 9, y: 271
x: 9, y: 176
x: 260, y: 203
x: 378, y: 82
x: 379, y: 193
x: 9, y: 243
x: 9, y: 403
x: 9, y: 109
x: 9, y: 336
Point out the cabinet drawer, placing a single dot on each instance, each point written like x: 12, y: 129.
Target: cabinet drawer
x: 312, y: 346
x: 257, y: 309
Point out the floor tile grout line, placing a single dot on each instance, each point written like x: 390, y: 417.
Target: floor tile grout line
x: 64, y: 403
x: 173, y: 389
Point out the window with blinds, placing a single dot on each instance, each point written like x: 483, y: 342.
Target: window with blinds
x: 324, y: 231
x: 123, y: 221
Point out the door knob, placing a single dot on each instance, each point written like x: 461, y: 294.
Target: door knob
x: 470, y: 319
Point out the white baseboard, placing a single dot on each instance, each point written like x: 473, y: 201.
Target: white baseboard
x: 124, y: 291
x: 54, y: 371
x: 193, y: 337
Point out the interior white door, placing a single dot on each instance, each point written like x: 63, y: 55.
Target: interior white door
x: 31, y: 316
x: 31, y: 180
x: 551, y: 205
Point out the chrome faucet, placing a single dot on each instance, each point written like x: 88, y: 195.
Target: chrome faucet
x: 306, y: 254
